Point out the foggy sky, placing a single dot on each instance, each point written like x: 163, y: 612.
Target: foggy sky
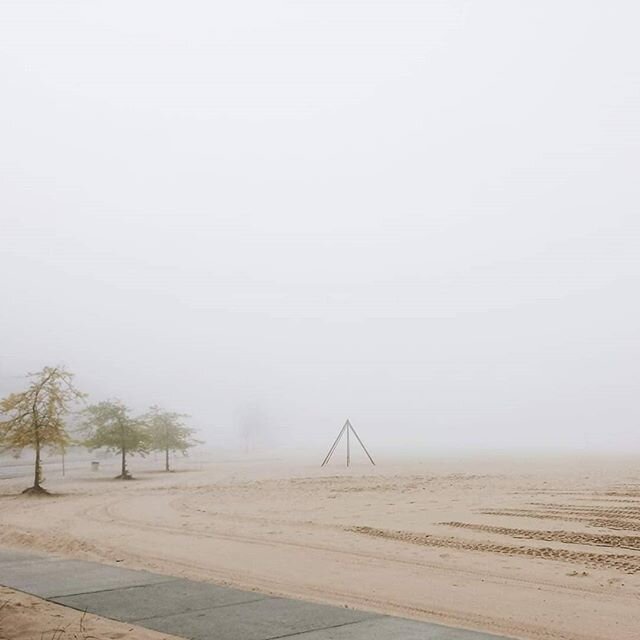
x: 423, y: 216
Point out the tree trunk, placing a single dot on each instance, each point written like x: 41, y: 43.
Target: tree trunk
x: 37, y: 489
x: 36, y: 479
x: 124, y: 475
x: 166, y: 459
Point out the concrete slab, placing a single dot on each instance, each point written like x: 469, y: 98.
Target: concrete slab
x: 57, y: 577
x: 164, y: 599
x: 261, y: 620
x: 9, y: 556
x: 203, y: 611
x: 388, y: 628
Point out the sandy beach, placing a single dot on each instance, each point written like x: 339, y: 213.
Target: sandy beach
x: 234, y: 233
x: 534, y: 548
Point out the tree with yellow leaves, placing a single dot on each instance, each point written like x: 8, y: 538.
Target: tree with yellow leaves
x: 35, y: 418
x: 168, y: 432
x: 110, y: 425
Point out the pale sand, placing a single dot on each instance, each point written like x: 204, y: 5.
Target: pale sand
x: 546, y: 548
x: 24, y: 617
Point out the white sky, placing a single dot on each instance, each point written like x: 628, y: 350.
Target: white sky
x: 421, y: 215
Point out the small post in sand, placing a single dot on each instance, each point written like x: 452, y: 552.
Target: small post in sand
x: 348, y: 427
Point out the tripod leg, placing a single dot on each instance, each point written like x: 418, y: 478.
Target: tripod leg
x: 333, y: 447
x: 362, y: 445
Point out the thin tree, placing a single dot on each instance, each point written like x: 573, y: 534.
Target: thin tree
x: 109, y: 425
x: 35, y: 418
x: 168, y: 432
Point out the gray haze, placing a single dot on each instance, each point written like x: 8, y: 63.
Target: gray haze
x: 423, y: 216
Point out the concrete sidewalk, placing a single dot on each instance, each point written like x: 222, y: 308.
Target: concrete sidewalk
x: 202, y: 611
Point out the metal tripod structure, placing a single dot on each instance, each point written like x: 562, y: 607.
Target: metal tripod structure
x: 347, y: 428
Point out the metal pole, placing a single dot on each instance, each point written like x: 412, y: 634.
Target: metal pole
x: 333, y: 446
x: 355, y: 433
x: 348, y: 450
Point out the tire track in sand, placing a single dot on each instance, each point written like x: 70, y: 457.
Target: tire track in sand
x: 631, y: 543
x: 627, y: 563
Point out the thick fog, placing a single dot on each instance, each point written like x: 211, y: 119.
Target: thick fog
x: 423, y: 216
